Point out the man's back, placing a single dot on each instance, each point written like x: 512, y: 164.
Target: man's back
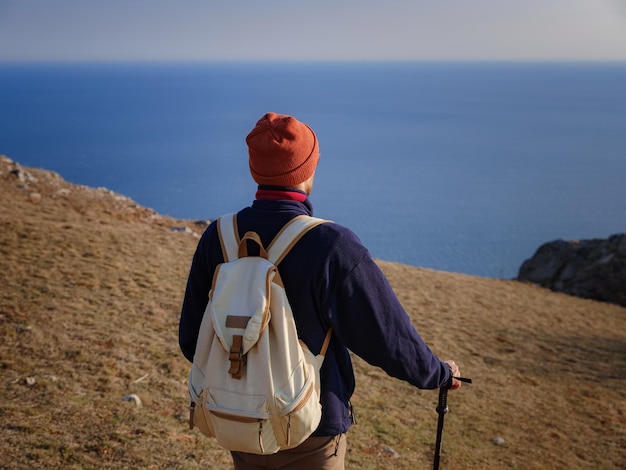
x: 331, y: 280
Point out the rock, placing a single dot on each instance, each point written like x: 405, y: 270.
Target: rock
x: 591, y: 269
x: 184, y: 229
x: 389, y: 452
x: 23, y: 176
x: 499, y: 441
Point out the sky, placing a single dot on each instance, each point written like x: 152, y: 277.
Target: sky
x: 286, y: 30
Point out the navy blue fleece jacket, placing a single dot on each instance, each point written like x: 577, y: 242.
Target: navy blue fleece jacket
x: 331, y: 280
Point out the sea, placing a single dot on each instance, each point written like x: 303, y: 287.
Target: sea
x: 465, y: 167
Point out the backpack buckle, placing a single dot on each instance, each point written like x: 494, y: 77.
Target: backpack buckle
x: 237, y: 358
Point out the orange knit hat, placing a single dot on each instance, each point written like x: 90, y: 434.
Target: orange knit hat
x: 283, y: 151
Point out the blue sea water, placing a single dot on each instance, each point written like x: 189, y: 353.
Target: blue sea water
x: 462, y: 167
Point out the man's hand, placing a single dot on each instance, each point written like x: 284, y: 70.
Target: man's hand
x: 456, y: 384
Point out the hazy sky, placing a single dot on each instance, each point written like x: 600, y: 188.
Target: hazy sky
x: 312, y: 30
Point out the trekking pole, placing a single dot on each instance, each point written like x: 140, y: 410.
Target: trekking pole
x: 442, y: 409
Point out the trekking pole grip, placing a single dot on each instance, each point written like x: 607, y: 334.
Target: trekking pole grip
x: 442, y: 404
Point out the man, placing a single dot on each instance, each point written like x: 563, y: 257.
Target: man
x: 331, y: 281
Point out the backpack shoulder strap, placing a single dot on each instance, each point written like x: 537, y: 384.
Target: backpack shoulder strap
x: 286, y: 238
x: 229, y: 236
x: 289, y: 236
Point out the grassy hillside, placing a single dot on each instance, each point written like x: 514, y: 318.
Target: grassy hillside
x: 90, y: 290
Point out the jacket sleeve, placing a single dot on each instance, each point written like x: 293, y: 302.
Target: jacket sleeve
x: 197, y: 293
x: 370, y: 320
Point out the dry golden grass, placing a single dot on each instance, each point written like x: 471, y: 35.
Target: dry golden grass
x: 90, y: 290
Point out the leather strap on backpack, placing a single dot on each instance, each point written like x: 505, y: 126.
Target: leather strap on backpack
x: 236, y: 357
x: 326, y: 342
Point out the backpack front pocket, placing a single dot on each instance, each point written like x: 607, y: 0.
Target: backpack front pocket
x: 241, y: 422
x: 299, y: 415
x: 197, y: 414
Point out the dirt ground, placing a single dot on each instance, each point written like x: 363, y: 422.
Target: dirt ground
x: 91, y: 375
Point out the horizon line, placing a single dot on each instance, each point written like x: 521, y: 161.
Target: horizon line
x: 310, y: 61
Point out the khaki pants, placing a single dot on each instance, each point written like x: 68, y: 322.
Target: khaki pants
x: 316, y: 453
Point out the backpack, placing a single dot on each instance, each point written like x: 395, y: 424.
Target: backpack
x: 253, y: 384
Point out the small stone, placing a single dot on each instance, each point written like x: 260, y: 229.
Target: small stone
x: 391, y: 453
x: 184, y: 229
x: 499, y: 441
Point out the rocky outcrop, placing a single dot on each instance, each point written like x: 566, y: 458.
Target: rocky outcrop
x: 592, y: 269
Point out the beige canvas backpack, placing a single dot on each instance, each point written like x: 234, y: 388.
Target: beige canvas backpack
x: 254, y: 385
